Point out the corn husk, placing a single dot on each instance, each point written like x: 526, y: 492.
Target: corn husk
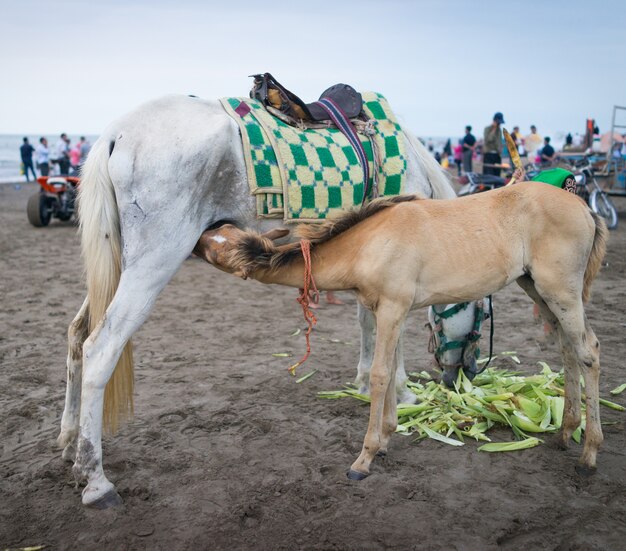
x: 619, y: 389
x: 307, y: 376
x: 531, y: 404
x: 510, y: 446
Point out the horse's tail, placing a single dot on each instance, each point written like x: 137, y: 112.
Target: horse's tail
x: 101, y: 248
x: 598, y: 250
x: 436, y: 176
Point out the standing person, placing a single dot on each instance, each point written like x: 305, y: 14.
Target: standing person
x: 493, y: 145
x: 26, y: 152
x: 43, y: 157
x: 519, y: 141
x: 532, y: 143
x: 548, y: 155
x: 469, y: 145
x: 85, y: 146
x: 75, y: 157
x: 458, y: 156
x: 63, y: 154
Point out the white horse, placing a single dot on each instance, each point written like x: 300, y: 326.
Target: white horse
x: 153, y: 182
x: 455, y: 335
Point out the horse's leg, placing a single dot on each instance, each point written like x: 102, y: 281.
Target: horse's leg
x: 402, y: 393
x: 389, y: 318
x: 572, y: 409
x: 76, y: 335
x: 367, y: 324
x: 584, y: 351
x: 591, y: 372
x: 139, y: 286
x: 390, y: 409
x: 564, y: 299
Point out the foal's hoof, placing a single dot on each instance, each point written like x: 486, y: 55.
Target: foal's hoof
x: 585, y: 470
x: 381, y: 453
x: 356, y: 475
x: 110, y: 499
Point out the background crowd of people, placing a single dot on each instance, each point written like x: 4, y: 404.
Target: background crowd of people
x: 490, y: 148
x: 63, y: 159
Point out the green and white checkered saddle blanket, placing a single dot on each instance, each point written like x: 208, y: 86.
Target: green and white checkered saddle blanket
x: 314, y: 174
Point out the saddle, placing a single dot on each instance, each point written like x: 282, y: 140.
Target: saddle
x: 275, y: 96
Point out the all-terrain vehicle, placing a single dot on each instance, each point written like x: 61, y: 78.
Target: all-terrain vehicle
x: 56, y: 198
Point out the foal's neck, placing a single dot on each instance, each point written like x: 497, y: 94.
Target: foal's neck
x: 331, y: 269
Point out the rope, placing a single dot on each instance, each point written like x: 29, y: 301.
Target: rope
x: 304, y: 300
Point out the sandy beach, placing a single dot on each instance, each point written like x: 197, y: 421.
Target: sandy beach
x: 226, y: 451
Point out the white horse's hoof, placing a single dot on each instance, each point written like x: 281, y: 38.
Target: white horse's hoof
x: 67, y: 442
x: 405, y: 396
x: 69, y: 453
x: 103, y: 496
x: 66, y: 437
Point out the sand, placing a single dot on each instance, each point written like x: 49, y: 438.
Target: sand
x: 227, y: 452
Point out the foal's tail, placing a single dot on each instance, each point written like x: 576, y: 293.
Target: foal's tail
x: 101, y: 248
x: 598, y: 251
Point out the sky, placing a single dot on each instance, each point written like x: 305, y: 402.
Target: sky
x: 76, y: 65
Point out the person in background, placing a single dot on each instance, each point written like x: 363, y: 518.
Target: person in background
x: 75, y: 157
x: 518, y: 140
x: 532, y: 143
x: 62, y: 154
x: 43, y: 157
x: 569, y: 141
x: 493, y: 146
x: 85, y: 146
x: 26, y: 152
x: 458, y: 156
x: 548, y: 155
x: 469, y: 145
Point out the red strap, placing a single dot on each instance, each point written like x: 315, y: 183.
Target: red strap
x: 304, y: 300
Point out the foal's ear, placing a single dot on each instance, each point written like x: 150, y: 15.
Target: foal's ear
x: 276, y: 233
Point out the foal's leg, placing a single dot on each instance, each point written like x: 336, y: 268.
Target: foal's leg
x: 590, y: 354
x: 367, y: 323
x: 76, y: 335
x: 585, y: 350
x: 402, y: 393
x: 571, y: 369
x: 390, y: 410
x: 389, y: 318
x: 565, y: 301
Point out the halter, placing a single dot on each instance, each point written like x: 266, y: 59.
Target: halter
x: 438, y: 343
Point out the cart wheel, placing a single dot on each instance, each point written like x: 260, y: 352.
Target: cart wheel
x: 601, y: 204
x: 38, y: 211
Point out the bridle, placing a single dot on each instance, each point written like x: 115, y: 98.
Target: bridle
x: 438, y: 342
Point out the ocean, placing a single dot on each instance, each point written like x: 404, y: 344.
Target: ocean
x: 10, y: 149
x: 10, y: 144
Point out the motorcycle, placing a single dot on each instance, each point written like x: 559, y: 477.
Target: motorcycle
x: 474, y: 182
x: 589, y: 190
x: 56, y: 198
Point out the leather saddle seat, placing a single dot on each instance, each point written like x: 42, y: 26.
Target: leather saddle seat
x: 271, y: 93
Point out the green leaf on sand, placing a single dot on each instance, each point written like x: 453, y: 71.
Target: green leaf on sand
x: 510, y: 446
x: 307, y: 376
x: 619, y: 389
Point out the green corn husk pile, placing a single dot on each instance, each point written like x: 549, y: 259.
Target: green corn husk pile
x: 527, y: 404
